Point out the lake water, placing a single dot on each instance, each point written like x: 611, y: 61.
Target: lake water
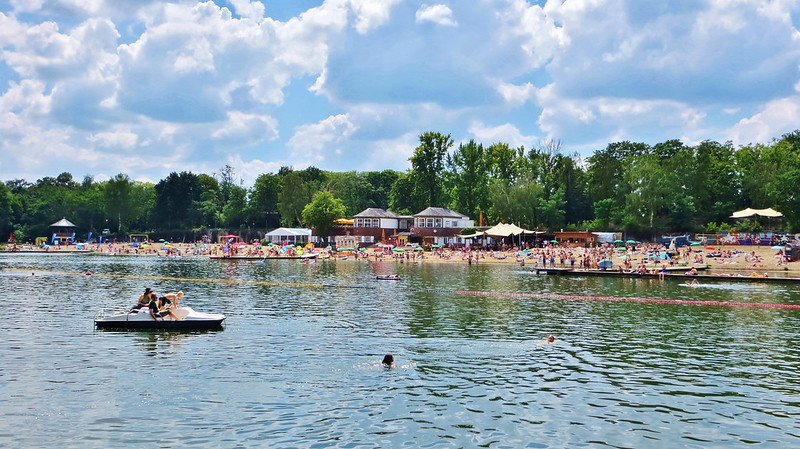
x: 298, y: 365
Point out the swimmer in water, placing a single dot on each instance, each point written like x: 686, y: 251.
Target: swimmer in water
x: 550, y: 339
x: 388, y: 361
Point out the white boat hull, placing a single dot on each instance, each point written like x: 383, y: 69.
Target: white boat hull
x: 189, y: 320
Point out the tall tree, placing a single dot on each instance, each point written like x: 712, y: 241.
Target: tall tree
x: 469, y: 168
x: 404, y: 198
x: 381, y: 183
x: 9, y: 207
x: 427, y: 167
x: 117, y: 194
x: 353, y: 189
x: 177, y: 199
x: 262, y: 207
x: 782, y: 164
x: 293, y: 198
x: 714, y: 183
x: 607, y: 167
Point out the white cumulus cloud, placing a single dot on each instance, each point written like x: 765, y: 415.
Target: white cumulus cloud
x: 438, y: 14
x: 318, y: 136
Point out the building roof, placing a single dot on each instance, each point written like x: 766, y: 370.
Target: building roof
x: 63, y: 223
x: 375, y: 212
x: 289, y: 232
x: 440, y: 212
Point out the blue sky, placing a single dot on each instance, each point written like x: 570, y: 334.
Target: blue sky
x: 147, y: 87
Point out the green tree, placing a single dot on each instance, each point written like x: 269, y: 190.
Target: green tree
x: 143, y: 200
x: 606, y: 171
x: 505, y: 163
x: 468, y: 167
x: 9, y: 208
x: 381, y: 183
x: 781, y: 162
x: 427, y: 167
x: 177, y: 199
x: 117, y: 194
x: 293, y: 198
x: 517, y: 203
x: 403, y: 198
x: 262, y: 207
x: 714, y: 184
x: 650, y: 190
x: 353, y: 189
x: 320, y: 213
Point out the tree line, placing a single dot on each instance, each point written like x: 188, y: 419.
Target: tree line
x: 635, y: 187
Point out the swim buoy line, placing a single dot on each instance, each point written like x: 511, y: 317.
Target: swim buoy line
x: 446, y: 291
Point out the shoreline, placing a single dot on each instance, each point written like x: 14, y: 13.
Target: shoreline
x: 732, y: 259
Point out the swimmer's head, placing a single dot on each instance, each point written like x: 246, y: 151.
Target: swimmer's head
x: 388, y: 360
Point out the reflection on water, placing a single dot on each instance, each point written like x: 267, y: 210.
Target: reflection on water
x: 298, y: 365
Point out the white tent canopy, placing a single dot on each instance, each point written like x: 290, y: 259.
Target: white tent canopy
x: 505, y: 230
x: 501, y: 230
x: 768, y: 212
x: 293, y: 235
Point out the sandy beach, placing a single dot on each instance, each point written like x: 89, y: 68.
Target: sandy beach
x: 749, y: 260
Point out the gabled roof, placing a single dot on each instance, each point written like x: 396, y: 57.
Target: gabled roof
x: 440, y: 212
x: 63, y: 223
x: 375, y: 212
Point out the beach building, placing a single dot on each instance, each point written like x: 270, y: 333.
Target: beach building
x: 434, y: 225
x: 439, y: 226
x: 374, y: 225
x: 63, y: 231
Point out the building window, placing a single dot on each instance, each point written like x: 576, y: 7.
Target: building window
x: 429, y: 223
x: 438, y: 223
x: 359, y: 222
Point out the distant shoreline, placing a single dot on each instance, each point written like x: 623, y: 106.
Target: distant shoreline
x: 766, y: 257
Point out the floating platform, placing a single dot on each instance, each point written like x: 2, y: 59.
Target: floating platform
x: 675, y: 273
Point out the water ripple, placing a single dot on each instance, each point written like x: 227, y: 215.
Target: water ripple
x: 299, y: 367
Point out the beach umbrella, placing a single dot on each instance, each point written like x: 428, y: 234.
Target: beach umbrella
x: 695, y: 244
x: 618, y: 241
x: 777, y: 247
x: 398, y: 250
x: 632, y: 242
x: 419, y: 248
x: 161, y: 240
x: 553, y: 241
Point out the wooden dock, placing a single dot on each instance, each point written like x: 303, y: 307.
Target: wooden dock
x: 672, y: 274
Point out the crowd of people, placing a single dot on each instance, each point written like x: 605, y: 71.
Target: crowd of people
x: 638, y: 258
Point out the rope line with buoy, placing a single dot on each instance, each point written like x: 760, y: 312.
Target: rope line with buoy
x: 456, y: 292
